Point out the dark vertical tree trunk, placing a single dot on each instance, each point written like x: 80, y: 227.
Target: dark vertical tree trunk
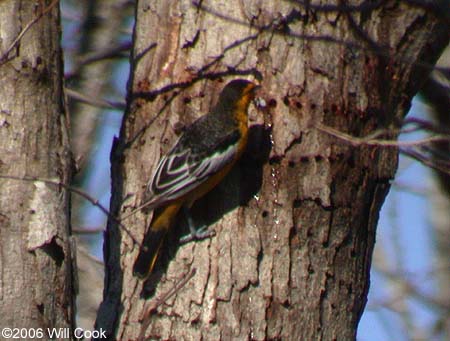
x: 35, y: 259
x: 296, y: 219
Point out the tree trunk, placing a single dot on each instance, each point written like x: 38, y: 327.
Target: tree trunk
x: 35, y: 263
x: 296, y: 218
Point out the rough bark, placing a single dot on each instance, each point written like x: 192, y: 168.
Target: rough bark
x: 35, y: 259
x: 296, y: 219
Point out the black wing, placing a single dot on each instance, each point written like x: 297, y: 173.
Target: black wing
x: 185, y: 168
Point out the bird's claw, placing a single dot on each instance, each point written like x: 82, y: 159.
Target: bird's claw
x: 199, y: 234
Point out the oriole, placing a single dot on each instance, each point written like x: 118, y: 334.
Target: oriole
x: 199, y: 160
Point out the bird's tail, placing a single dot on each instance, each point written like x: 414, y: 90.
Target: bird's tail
x: 154, y: 239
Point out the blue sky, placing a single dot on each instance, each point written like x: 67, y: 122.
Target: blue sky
x: 404, y: 237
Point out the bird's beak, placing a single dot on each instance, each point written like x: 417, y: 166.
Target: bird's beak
x: 255, y: 87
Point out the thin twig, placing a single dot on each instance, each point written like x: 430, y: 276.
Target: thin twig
x: 96, y: 102
x: 140, y: 207
x: 412, y: 290
x: 368, y: 140
x: 87, y: 230
x: 341, y: 8
x: 426, y: 161
x: 78, y: 191
x: 426, y: 125
x: 154, y: 304
x: 120, y: 51
x: 4, y: 57
x: 90, y: 256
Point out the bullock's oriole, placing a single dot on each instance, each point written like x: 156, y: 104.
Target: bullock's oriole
x: 200, y: 159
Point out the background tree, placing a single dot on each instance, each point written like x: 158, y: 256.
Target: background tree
x: 292, y: 262
x: 96, y: 42
x: 36, y: 287
x: 437, y: 92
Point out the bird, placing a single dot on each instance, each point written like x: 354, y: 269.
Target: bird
x: 199, y: 160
